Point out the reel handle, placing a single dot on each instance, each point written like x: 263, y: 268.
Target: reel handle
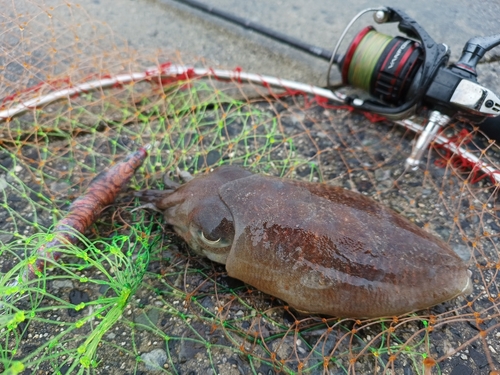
x: 436, y: 121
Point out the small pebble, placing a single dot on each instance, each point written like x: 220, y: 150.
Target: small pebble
x: 382, y: 175
x: 58, y: 284
x: 154, y: 359
x: 3, y: 183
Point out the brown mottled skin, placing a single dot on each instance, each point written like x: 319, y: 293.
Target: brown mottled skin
x: 320, y: 248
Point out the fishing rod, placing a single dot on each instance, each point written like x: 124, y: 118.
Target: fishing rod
x: 263, y: 30
x: 402, y: 74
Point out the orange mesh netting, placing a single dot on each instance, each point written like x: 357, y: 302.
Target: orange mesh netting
x: 130, y: 296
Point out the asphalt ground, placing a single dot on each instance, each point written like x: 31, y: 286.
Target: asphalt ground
x: 171, y: 26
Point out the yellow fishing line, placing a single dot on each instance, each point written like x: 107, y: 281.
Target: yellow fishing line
x: 365, y: 58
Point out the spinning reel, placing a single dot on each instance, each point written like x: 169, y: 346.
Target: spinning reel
x: 402, y: 74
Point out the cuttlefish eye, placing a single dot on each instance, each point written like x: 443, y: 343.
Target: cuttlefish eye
x: 208, y: 241
x: 211, y: 224
x: 220, y: 236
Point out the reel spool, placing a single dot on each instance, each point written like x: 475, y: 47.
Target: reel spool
x: 382, y: 65
x: 396, y: 71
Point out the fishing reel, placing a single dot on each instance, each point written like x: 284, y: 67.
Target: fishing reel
x: 404, y: 73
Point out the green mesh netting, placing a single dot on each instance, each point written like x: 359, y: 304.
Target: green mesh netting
x: 130, y: 297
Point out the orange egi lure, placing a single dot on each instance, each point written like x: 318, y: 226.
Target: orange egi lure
x: 84, y: 211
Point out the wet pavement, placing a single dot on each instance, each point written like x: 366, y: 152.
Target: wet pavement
x: 169, y: 26
x: 172, y: 26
